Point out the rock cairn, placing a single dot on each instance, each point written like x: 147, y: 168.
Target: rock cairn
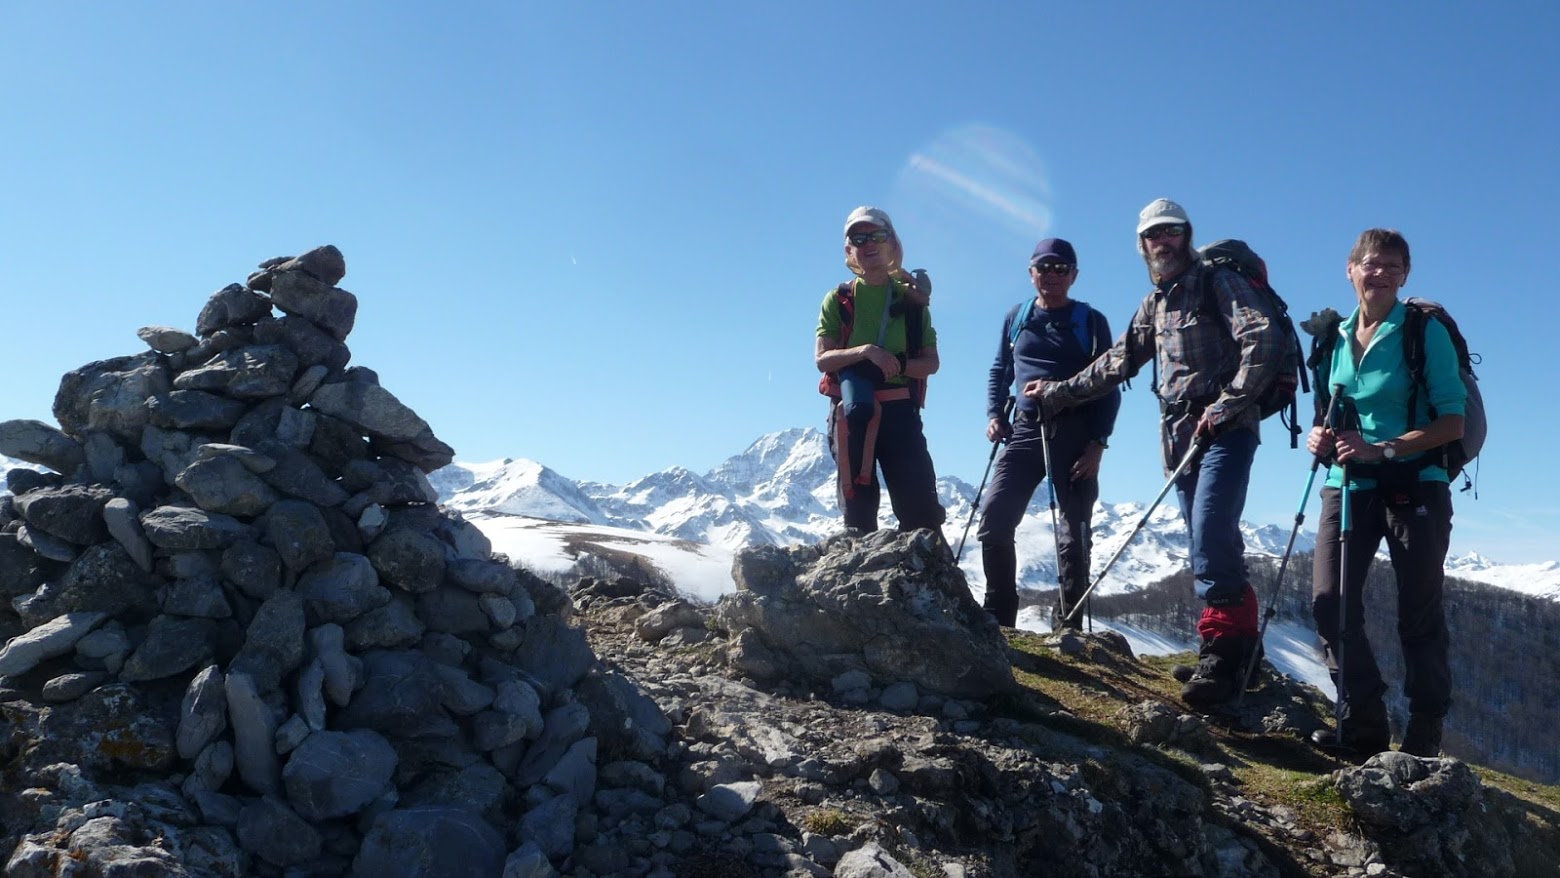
x: 244, y: 640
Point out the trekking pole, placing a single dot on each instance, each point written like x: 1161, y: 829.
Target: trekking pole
x: 1050, y: 485
x: 1344, y: 524
x: 1283, y: 564
x: 1192, y: 452
x: 1007, y: 413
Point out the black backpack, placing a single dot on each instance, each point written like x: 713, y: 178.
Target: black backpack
x: 1279, y: 397
x: 1454, y: 457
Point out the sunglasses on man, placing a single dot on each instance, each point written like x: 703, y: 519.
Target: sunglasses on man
x: 1057, y: 268
x: 1167, y: 230
x: 859, y: 238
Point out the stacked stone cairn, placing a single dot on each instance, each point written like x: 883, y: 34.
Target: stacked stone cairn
x: 243, y: 639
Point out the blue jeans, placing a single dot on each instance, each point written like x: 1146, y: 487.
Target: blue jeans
x: 1213, y: 496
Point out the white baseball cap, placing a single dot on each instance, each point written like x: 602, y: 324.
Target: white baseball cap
x: 1159, y: 212
x: 867, y: 214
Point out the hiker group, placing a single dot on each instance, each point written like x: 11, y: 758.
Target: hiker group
x: 1394, y: 396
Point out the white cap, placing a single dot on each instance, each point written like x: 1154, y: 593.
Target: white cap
x: 1159, y: 212
x: 866, y: 214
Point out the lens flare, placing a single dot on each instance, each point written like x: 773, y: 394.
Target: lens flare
x: 979, y: 172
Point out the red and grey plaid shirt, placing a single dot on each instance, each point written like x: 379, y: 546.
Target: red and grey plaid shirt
x: 1208, y: 362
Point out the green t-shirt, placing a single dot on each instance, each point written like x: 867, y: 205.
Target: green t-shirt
x: 869, y: 320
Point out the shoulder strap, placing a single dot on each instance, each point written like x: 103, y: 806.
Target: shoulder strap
x: 1415, y: 316
x: 1083, y: 326
x: 1020, y: 320
x: 915, y: 326
x: 845, y: 293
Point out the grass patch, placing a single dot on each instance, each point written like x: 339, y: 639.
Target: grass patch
x: 1314, y: 799
x: 828, y: 822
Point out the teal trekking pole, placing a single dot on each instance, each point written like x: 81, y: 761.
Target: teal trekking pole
x: 1345, y: 524
x: 1283, y: 564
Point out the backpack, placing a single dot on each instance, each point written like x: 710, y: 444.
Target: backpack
x: 1082, y: 325
x: 1281, y: 392
x: 1454, y: 457
x: 915, y: 317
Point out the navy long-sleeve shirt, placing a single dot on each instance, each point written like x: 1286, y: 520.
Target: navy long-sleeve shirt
x: 1049, y: 348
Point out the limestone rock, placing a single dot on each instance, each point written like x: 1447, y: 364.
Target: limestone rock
x: 891, y: 604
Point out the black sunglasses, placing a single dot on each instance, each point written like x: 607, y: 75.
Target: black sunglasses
x: 1171, y: 230
x: 859, y: 238
x: 1056, y: 268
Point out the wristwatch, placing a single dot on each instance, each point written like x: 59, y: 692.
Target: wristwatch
x: 1388, y: 450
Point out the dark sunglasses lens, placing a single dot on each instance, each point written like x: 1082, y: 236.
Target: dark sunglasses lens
x: 877, y: 237
x: 1166, y: 231
x: 1057, y: 268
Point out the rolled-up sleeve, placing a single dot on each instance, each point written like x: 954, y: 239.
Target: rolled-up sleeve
x: 1109, y: 369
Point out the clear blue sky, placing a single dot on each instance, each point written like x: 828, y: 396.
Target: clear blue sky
x: 597, y: 234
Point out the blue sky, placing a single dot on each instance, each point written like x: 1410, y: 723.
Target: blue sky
x: 597, y: 234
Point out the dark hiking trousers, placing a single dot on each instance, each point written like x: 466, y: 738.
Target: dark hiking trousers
x: 1417, y: 535
x: 907, y: 470
x: 1019, y: 470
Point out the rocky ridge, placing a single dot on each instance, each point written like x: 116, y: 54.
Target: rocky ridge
x: 774, y: 695
x: 243, y: 639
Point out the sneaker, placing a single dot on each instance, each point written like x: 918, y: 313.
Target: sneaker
x: 1423, y: 736
x: 1365, y: 731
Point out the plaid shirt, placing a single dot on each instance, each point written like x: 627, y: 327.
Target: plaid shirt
x: 1213, y: 363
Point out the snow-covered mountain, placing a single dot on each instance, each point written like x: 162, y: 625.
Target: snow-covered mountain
x: 780, y: 491
x: 515, y: 487
x: 1540, y: 580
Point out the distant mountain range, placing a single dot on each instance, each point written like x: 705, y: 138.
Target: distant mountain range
x: 780, y: 491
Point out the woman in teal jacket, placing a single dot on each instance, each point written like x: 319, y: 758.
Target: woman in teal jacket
x: 1397, y: 491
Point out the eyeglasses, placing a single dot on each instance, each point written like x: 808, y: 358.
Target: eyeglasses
x: 1167, y: 230
x: 1059, y: 269
x: 859, y: 238
x: 1390, y: 269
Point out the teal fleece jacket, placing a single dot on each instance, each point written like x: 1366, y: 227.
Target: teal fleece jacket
x: 1380, y: 384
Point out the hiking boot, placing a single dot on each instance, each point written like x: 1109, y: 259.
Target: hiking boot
x: 1423, y: 736
x: 1365, y: 731
x: 1060, y: 624
x: 1217, y: 675
x: 1183, y: 673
